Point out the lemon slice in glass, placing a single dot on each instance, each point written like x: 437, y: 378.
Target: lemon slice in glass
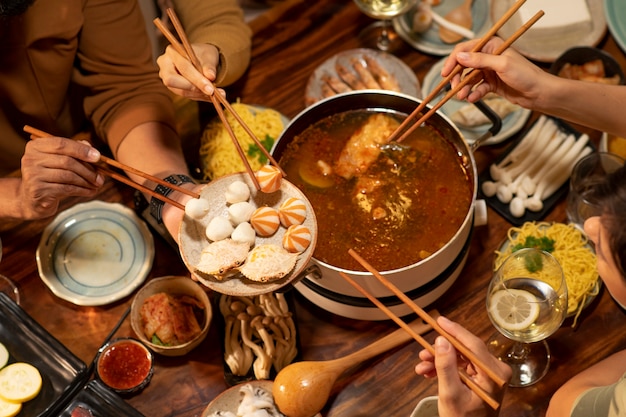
x: 513, y: 309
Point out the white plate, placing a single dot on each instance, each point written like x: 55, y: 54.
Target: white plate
x: 229, y: 400
x: 95, y: 253
x: 546, y: 45
x: 395, y: 67
x: 511, y: 124
x: 193, y: 239
x: 429, y: 41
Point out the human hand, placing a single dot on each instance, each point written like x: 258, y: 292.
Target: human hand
x: 54, y: 168
x: 509, y: 75
x: 182, y: 78
x: 455, y: 398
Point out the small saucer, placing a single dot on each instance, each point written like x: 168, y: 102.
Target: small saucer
x: 95, y: 253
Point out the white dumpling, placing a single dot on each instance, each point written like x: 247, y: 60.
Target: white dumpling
x: 237, y: 192
x: 244, y: 233
x: 197, y: 208
x: 219, y: 228
x: 240, y: 212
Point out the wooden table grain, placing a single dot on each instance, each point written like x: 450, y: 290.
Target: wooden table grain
x: 290, y: 41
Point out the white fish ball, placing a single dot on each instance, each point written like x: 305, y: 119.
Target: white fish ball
x: 240, y: 212
x: 534, y: 204
x: 504, y: 194
x: 236, y: 192
x: 218, y: 228
x: 489, y: 188
x: 517, y: 207
x: 244, y: 233
x: 197, y: 208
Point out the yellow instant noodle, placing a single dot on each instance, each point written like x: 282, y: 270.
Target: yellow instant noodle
x: 218, y: 155
x: 571, y: 249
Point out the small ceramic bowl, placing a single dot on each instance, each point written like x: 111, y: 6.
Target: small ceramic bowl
x: 582, y: 54
x: 125, y: 365
x: 174, y: 285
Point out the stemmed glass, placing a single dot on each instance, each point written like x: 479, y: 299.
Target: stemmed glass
x: 385, y: 11
x: 526, y: 302
x: 7, y: 286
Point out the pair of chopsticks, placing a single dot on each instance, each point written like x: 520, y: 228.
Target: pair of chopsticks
x: 36, y: 133
x: 485, y: 396
x: 472, y: 75
x: 217, y: 99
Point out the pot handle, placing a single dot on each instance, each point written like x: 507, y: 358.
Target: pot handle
x: 493, y: 130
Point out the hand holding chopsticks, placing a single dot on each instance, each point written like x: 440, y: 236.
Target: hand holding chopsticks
x: 217, y: 99
x: 36, y: 133
x: 472, y: 76
x: 429, y: 320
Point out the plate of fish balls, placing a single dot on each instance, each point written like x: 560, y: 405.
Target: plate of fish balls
x: 239, y: 240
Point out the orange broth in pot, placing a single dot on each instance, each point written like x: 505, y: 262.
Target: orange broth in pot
x: 407, y: 205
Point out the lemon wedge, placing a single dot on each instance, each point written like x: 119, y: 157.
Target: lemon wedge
x: 513, y: 309
x: 9, y: 409
x: 4, y: 356
x: 19, y: 382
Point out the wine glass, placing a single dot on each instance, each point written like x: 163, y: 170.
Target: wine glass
x: 526, y: 302
x: 385, y: 11
x: 7, y: 286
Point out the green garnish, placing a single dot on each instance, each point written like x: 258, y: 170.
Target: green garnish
x: 255, y: 152
x: 544, y: 243
x: 157, y: 341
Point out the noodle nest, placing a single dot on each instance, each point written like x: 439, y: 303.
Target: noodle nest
x: 573, y: 252
x: 218, y: 154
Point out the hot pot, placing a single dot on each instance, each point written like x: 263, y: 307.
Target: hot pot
x: 424, y: 281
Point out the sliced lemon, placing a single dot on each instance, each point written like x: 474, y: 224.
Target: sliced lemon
x: 4, y: 355
x: 19, y: 382
x: 514, y: 309
x: 9, y: 409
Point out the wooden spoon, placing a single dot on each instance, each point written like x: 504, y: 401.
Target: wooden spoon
x: 461, y: 16
x: 303, y: 388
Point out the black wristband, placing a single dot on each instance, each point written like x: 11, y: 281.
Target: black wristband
x: 156, y: 205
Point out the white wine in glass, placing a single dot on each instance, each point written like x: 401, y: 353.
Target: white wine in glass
x: 385, y: 11
x: 526, y: 302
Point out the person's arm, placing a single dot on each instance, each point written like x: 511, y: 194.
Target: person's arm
x: 52, y: 169
x: 604, y: 373
x: 512, y: 76
x: 455, y: 398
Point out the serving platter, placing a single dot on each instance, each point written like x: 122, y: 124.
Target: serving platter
x: 396, y: 68
x: 61, y: 371
x: 95, y: 253
x: 511, y: 124
x: 548, y: 43
x: 193, y: 238
x: 429, y: 41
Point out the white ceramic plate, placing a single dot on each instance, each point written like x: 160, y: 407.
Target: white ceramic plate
x: 229, y: 400
x: 429, y: 41
x: 395, y: 67
x: 95, y: 253
x: 547, y: 44
x: 193, y: 238
x: 511, y: 124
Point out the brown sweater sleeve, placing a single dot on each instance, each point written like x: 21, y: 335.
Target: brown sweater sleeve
x: 220, y: 23
x: 115, y: 65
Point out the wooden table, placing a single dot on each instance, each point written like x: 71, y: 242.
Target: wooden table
x: 290, y: 42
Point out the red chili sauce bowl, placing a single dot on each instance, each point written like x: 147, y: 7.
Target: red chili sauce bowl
x: 125, y: 365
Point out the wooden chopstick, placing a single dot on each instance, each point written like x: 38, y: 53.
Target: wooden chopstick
x: 472, y: 76
x: 217, y: 99
x: 428, y: 319
x: 36, y: 133
x: 484, y: 395
x: 457, y: 69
